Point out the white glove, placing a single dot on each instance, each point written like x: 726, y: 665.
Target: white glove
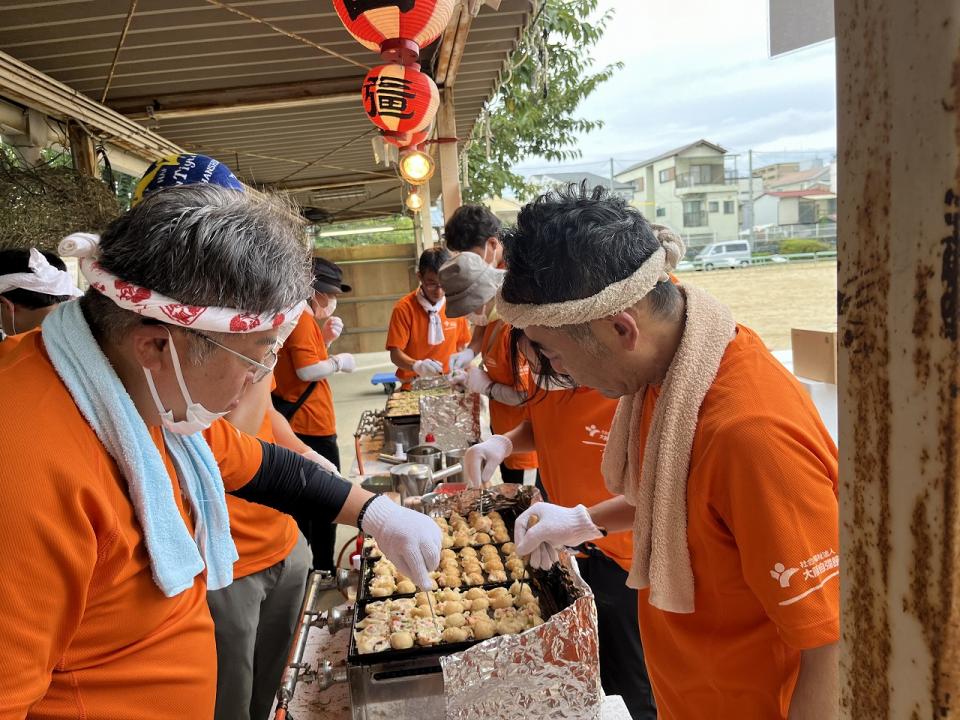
x: 409, y: 539
x: 344, y: 362
x: 478, y: 381
x: 481, y: 460
x: 320, y: 460
x: 556, y: 527
x: 331, y: 329
x: 460, y: 360
x: 427, y: 368
x: 458, y: 377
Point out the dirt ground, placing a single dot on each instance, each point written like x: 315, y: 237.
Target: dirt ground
x: 772, y: 299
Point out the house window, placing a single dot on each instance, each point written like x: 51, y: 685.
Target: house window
x: 661, y: 212
x: 706, y: 174
x: 807, y: 212
x: 639, y: 184
x: 693, y: 214
x: 714, y: 206
x: 832, y: 206
x: 668, y: 175
x: 728, y: 207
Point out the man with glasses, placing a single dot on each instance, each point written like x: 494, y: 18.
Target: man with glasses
x: 421, y: 338
x: 117, y: 456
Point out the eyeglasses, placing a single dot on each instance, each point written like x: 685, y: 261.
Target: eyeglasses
x: 262, y: 368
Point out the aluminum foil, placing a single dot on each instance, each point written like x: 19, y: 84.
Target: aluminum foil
x: 453, y: 420
x: 550, y: 672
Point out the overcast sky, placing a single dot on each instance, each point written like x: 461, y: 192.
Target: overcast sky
x: 700, y: 68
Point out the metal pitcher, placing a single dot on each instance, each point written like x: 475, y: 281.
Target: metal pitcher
x: 416, y: 479
x: 429, y: 455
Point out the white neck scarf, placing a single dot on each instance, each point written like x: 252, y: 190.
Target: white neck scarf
x: 435, y: 331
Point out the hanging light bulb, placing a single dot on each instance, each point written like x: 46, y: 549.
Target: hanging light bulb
x: 416, y: 167
x: 414, y: 200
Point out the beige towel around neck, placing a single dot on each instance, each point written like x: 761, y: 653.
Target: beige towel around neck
x: 658, y: 490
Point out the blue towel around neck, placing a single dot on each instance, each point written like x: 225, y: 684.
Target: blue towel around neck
x: 176, y: 558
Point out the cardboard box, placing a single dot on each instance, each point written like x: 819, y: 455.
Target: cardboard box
x: 815, y: 354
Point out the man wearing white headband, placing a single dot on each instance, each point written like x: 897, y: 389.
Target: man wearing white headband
x: 717, y: 459
x: 116, y: 458
x: 32, y: 284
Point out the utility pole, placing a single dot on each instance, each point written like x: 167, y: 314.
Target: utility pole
x: 750, y: 181
x: 611, y: 176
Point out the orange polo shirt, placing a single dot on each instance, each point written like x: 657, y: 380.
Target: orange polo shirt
x: 495, y: 349
x: 305, y: 347
x: 762, y: 528
x: 263, y: 536
x: 9, y: 343
x: 570, y: 429
x: 409, y: 328
x: 86, y: 633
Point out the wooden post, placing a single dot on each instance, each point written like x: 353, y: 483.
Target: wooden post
x: 82, y: 150
x: 449, y: 159
x: 898, y: 78
x: 422, y: 225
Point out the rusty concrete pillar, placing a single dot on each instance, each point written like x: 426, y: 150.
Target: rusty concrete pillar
x: 898, y: 77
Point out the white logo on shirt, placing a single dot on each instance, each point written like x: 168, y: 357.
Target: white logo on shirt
x: 597, y: 435
x: 822, y: 567
x: 782, y: 574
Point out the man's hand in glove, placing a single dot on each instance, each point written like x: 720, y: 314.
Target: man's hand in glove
x: 345, y: 362
x: 331, y: 329
x: 409, y: 539
x: 460, y: 360
x: 427, y: 368
x: 481, y: 460
x: 556, y: 527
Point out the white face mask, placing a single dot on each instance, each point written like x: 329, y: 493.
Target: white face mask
x: 198, y: 417
x: 325, y: 312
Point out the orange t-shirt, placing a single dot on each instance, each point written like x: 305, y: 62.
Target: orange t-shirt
x: 408, y: 330
x: 263, y: 536
x: 762, y: 528
x: 570, y: 429
x: 9, y: 343
x: 305, y: 347
x: 86, y: 631
x: 495, y: 349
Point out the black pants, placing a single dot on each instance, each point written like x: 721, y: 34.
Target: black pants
x: 509, y: 475
x: 321, y: 536
x: 622, y: 668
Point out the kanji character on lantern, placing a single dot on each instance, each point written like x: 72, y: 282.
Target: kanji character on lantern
x: 399, y: 99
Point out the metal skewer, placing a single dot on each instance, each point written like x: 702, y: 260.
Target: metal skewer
x: 534, y: 519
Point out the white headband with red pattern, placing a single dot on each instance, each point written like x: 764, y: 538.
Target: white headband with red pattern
x: 148, y: 303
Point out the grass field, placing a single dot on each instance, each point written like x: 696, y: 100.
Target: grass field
x: 771, y: 299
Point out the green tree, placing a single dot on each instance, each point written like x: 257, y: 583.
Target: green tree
x: 533, y: 112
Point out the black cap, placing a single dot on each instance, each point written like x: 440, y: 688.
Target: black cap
x: 328, y: 277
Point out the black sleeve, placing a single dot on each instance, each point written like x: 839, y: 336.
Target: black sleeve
x: 290, y: 483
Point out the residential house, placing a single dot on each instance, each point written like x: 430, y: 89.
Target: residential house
x: 506, y: 209
x: 687, y: 189
x: 802, y: 179
x: 772, y: 173
x: 563, y: 179
x: 795, y: 207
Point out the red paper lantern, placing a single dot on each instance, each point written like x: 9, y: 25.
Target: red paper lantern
x: 400, y: 99
x: 405, y: 140
x: 395, y: 28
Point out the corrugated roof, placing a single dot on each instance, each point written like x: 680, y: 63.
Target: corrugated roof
x: 183, y: 55
x: 801, y: 176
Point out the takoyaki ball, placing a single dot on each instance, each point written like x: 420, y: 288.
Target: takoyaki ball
x: 406, y: 586
x: 454, y: 634
x: 456, y: 620
x: 484, y: 629
x: 401, y: 640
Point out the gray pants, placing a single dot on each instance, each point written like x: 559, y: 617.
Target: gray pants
x: 255, y: 618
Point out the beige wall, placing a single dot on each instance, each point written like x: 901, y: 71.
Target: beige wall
x: 379, y: 275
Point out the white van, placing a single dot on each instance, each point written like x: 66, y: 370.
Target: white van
x: 730, y: 254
